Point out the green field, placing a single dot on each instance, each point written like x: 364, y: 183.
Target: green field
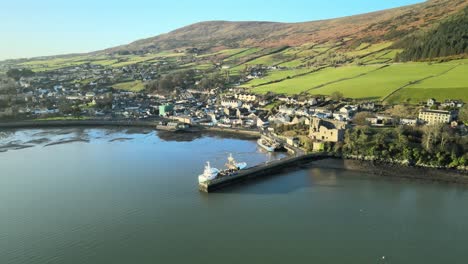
x: 293, y: 63
x: 242, y: 54
x: 134, y: 86
x: 133, y: 59
x: 451, y: 85
x: 415, y: 96
x: 365, y: 49
x: 223, y: 53
x: 276, y: 76
x: 41, y: 65
x: 105, y: 62
x: 381, y: 83
x: 268, y: 60
x: 374, y: 82
x: 310, y: 81
x: 378, y: 78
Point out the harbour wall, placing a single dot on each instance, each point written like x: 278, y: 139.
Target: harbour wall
x: 260, y: 170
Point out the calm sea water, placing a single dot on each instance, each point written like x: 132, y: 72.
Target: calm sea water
x: 123, y: 196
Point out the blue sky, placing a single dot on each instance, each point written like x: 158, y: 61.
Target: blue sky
x: 37, y: 28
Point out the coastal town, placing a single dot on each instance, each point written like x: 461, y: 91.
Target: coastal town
x: 305, y: 122
x: 234, y: 131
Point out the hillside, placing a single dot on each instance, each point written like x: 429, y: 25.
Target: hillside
x: 447, y: 39
x: 377, y: 26
x: 353, y: 55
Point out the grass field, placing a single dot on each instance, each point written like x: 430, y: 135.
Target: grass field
x: 242, y: 54
x: 309, y: 81
x: 41, y: 65
x: 267, y: 60
x: 399, y: 82
x: 456, y: 78
x: 276, y: 76
x: 415, y: 96
x: 105, y: 62
x: 223, y: 53
x: 451, y: 85
x: 293, y: 63
x: 206, y: 66
x: 134, y: 86
x: 381, y: 83
x: 364, y: 50
x: 374, y: 83
x: 133, y: 59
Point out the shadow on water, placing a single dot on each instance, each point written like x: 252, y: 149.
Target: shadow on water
x: 178, y: 136
x: 187, y: 136
x: 286, y: 181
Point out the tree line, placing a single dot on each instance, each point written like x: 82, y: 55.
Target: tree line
x: 432, y: 145
x: 184, y: 80
x: 448, y: 39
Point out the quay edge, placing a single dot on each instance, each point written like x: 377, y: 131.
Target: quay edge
x: 260, y: 170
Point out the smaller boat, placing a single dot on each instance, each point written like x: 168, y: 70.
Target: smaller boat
x: 171, y: 126
x: 232, y: 164
x: 269, y: 145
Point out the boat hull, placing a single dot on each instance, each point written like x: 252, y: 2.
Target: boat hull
x: 265, y: 147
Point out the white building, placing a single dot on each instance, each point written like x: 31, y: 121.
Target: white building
x: 231, y: 103
x: 436, y: 116
x: 246, y: 97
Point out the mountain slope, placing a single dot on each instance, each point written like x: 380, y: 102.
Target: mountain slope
x: 351, y: 55
x: 447, y: 39
x: 382, y: 25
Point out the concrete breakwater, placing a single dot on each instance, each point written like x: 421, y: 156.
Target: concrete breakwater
x: 260, y: 170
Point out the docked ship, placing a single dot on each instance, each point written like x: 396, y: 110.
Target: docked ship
x: 269, y: 145
x: 232, y: 168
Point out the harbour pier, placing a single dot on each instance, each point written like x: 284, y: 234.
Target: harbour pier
x: 261, y: 170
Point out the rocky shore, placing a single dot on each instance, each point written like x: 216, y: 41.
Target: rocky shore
x: 396, y: 171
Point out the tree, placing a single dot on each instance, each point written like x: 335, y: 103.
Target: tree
x: 402, y: 111
x: 463, y: 113
x: 431, y: 135
x: 336, y: 96
x: 360, y: 118
x: 65, y: 107
x: 7, y: 86
x: 76, y: 111
x: 448, y: 38
x: 18, y: 73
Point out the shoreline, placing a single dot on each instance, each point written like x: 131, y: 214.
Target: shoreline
x: 394, y: 171
x: 33, y: 124
x: 389, y: 170
x: 75, y: 123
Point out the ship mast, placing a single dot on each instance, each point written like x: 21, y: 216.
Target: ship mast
x: 231, y: 162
